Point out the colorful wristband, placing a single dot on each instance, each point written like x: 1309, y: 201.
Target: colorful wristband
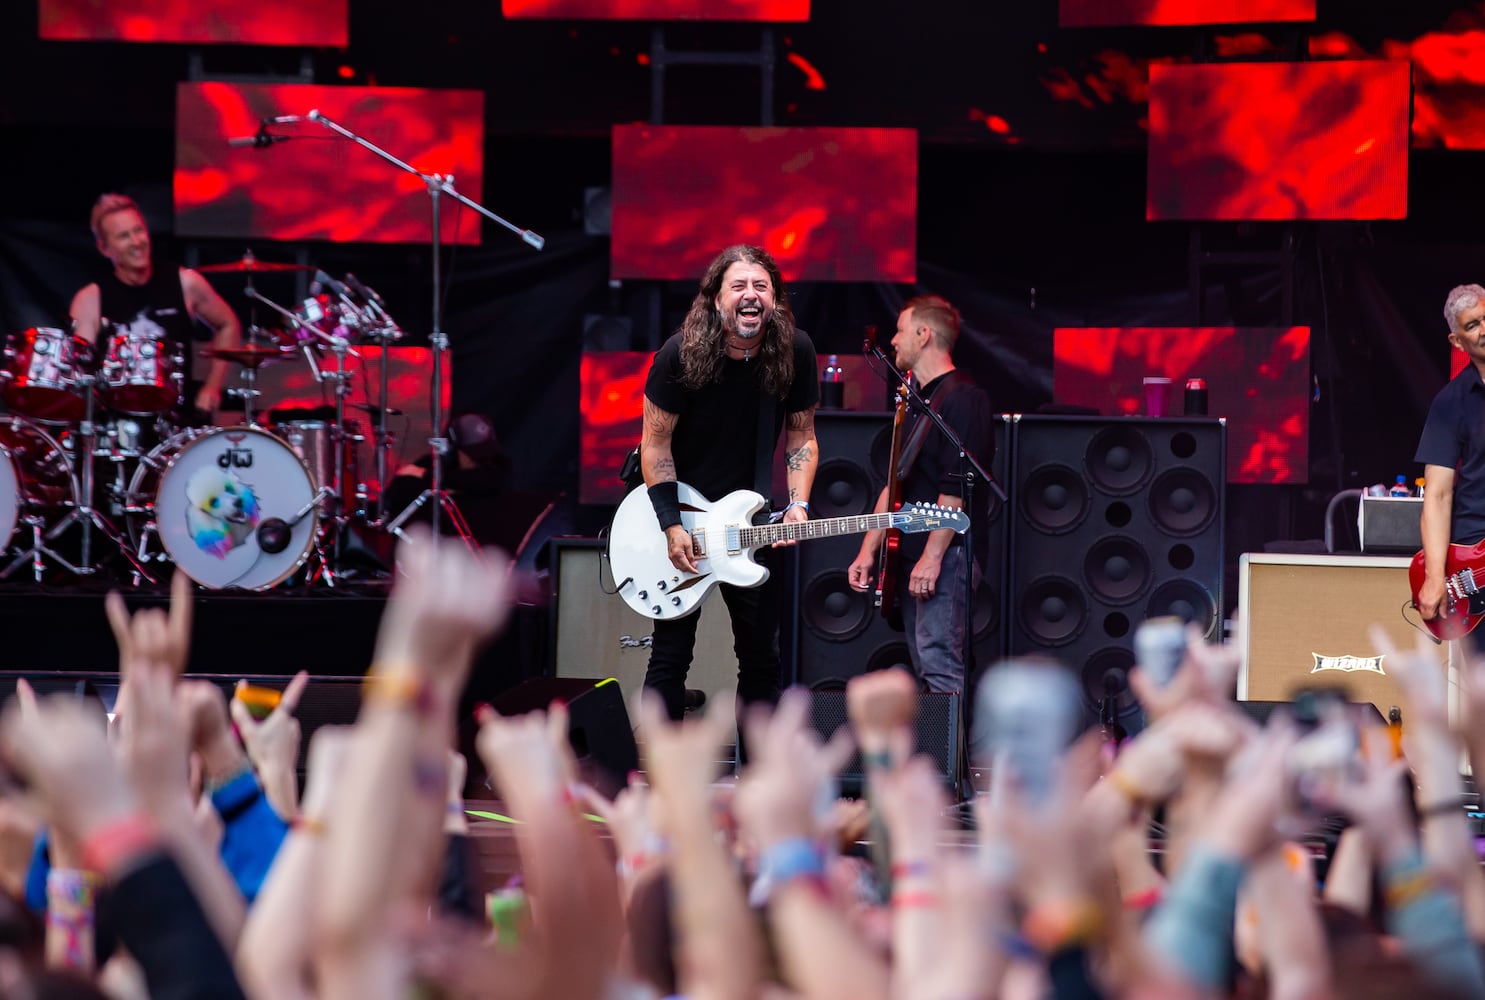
x: 108, y: 848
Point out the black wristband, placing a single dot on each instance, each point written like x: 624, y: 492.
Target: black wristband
x: 666, y: 499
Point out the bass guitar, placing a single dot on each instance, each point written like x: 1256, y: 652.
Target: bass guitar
x: 1464, y: 590
x: 723, y: 538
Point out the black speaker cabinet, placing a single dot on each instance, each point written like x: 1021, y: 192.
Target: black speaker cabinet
x: 597, y: 723
x: 841, y: 632
x: 1115, y: 520
x: 937, y: 732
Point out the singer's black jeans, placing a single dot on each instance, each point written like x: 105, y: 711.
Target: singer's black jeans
x: 755, y: 640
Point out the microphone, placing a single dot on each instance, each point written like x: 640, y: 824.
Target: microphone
x: 323, y: 280
x: 366, y: 293
x: 871, y: 339
x: 263, y: 140
x: 260, y: 141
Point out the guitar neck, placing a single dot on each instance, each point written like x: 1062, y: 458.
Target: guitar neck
x: 762, y: 535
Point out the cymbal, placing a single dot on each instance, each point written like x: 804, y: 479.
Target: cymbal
x: 248, y: 355
x: 252, y: 265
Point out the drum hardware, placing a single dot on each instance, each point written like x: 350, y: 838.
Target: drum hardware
x: 35, y: 474
x: 250, y: 357
x: 83, y: 513
x: 437, y: 185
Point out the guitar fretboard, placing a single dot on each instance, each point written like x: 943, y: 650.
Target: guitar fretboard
x: 758, y: 536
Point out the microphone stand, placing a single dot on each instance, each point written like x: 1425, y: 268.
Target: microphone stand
x: 437, y: 186
x: 969, y: 469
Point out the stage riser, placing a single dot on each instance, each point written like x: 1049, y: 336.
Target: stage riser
x: 273, y: 633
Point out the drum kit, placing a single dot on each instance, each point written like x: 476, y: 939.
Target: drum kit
x: 91, y: 441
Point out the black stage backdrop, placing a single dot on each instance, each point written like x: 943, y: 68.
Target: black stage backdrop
x: 1024, y: 237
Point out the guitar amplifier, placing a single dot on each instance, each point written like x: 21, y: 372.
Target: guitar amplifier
x: 1305, y: 618
x: 1390, y: 524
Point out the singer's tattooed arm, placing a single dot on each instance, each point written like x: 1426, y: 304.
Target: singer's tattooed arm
x: 654, y: 444
x: 801, y: 453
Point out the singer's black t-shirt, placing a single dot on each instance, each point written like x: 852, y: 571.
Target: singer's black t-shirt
x: 717, y: 433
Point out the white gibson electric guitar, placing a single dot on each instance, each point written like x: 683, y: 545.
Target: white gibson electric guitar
x: 723, y: 537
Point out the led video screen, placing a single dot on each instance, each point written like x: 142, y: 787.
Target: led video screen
x: 1100, y: 13
x: 315, y: 184
x: 659, y: 10
x: 1279, y: 141
x: 612, y: 401
x: 198, y: 22
x: 830, y: 204
x: 1256, y: 377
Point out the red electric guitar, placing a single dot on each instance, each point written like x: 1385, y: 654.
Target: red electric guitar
x: 1464, y: 582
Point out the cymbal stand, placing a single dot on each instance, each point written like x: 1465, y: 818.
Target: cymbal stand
x: 437, y: 185
x: 83, y: 513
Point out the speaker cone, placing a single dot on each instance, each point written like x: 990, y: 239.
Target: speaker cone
x: 842, y: 489
x: 1117, y: 569
x: 1052, y: 611
x: 986, y: 619
x: 1105, y: 675
x: 1183, y: 501
x: 1054, y: 499
x: 1119, y: 459
x: 832, y: 610
x: 1187, y: 600
x: 893, y: 654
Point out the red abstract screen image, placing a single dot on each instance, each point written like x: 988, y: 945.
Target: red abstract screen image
x: 612, y: 399
x: 1448, y: 76
x: 1257, y: 377
x: 830, y: 204
x: 318, y: 185
x: 659, y: 10
x: 1099, y: 13
x: 1248, y: 141
x: 198, y: 22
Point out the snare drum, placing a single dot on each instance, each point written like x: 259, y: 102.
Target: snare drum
x: 140, y: 375
x: 35, y: 474
x: 42, y: 364
x: 211, y: 489
x: 314, y: 442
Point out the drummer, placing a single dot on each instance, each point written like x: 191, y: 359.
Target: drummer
x: 137, y: 297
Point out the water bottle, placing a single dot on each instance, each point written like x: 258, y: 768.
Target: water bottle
x: 832, y: 385
x: 1400, y: 488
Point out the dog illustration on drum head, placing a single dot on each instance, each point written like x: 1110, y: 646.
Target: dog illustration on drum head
x: 221, y: 510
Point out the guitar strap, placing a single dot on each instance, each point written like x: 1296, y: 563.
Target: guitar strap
x: 923, y: 426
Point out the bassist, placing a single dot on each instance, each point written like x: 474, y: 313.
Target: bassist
x: 1452, y: 450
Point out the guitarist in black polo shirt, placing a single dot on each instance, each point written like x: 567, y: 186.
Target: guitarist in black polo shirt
x: 718, y: 393
x: 931, y: 567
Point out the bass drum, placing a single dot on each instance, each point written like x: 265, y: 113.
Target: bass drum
x: 35, y: 474
x: 210, y: 490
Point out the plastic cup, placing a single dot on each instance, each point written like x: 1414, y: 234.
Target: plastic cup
x: 1157, y: 396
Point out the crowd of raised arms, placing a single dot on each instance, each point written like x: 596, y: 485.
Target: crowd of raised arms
x: 168, y: 853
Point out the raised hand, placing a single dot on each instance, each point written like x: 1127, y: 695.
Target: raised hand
x: 446, y: 602
x: 272, y: 744
x: 153, y: 634
x: 787, y: 789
